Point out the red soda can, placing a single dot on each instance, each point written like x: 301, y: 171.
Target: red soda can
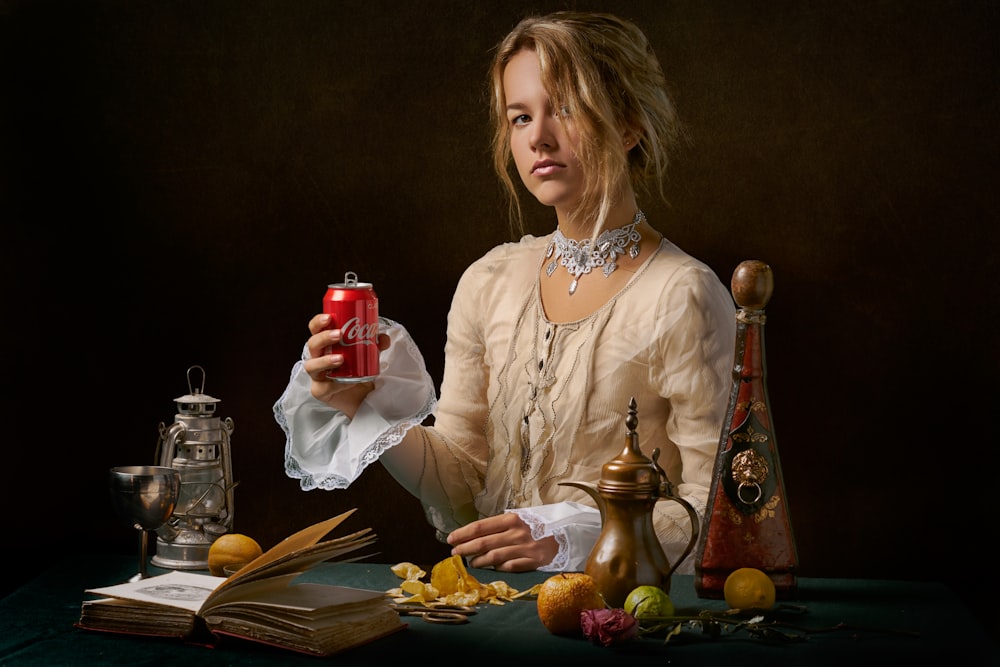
x: 353, y: 308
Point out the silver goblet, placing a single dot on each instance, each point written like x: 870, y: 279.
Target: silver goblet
x: 145, y: 496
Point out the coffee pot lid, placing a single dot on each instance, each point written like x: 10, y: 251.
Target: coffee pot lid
x: 631, y: 471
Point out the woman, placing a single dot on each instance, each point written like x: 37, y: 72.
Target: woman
x: 548, y: 338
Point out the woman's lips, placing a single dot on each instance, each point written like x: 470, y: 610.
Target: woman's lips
x: 545, y: 167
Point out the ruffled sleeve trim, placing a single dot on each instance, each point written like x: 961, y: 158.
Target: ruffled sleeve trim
x: 326, y: 450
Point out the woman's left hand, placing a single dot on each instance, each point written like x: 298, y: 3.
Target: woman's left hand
x: 502, y: 542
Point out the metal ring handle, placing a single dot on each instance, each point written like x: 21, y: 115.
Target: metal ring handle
x: 744, y: 485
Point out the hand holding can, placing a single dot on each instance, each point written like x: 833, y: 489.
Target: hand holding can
x: 353, y: 308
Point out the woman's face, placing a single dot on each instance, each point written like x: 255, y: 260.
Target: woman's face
x: 542, y: 145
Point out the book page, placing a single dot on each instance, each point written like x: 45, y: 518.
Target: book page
x: 306, y: 537
x: 288, y: 567
x: 309, y: 600
x: 247, y: 591
x: 185, y: 590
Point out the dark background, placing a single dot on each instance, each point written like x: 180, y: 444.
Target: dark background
x: 181, y: 180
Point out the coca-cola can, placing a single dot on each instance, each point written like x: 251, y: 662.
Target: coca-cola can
x: 353, y: 308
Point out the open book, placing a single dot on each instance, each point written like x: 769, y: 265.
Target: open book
x: 259, y: 602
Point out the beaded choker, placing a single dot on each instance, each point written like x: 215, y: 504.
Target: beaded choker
x: 580, y: 257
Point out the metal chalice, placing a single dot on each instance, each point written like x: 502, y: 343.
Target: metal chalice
x: 144, y: 496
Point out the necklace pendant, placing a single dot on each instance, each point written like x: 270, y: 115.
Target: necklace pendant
x: 572, y: 287
x: 550, y: 269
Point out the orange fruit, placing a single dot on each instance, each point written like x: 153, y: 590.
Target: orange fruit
x: 231, y: 549
x: 748, y: 588
x: 562, y: 597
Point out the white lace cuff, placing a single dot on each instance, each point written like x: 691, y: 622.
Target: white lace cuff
x: 576, y: 528
x: 326, y: 450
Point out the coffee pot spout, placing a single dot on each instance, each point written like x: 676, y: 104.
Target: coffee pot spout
x: 592, y: 492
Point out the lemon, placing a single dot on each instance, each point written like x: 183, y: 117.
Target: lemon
x: 231, y: 549
x: 748, y: 588
x: 646, y: 601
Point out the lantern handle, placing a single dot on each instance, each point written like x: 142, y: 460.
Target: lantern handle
x: 201, y: 389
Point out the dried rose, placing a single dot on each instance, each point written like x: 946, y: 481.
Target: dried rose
x: 608, y: 626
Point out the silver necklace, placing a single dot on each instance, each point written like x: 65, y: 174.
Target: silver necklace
x: 580, y: 258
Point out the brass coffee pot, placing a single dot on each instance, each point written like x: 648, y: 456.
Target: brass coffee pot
x: 628, y: 554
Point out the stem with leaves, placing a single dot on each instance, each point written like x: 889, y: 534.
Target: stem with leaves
x: 757, y: 626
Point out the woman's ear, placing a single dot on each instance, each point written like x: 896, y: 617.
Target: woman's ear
x: 630, y: 139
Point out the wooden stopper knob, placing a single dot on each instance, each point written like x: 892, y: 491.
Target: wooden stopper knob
x: 752, y: 284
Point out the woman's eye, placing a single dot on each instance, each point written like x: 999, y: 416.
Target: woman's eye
x: 520, y: 120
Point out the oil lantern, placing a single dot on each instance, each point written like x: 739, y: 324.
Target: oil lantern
x: 197, y: 445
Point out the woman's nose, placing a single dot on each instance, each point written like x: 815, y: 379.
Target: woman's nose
x: 543, y: 133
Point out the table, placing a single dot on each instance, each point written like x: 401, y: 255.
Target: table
x: 37, y: 628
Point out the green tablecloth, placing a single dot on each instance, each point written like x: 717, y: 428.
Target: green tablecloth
x: 903, y: 622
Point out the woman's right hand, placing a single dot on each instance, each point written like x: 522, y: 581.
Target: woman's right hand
x: 343, y: 396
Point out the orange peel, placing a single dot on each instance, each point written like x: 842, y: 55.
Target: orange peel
x: 450, y: 584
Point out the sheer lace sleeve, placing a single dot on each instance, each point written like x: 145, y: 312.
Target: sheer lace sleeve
x: 326, y: 450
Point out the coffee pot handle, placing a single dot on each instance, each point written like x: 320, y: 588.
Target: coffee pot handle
x: 695, y: 529
x: 667, y: 493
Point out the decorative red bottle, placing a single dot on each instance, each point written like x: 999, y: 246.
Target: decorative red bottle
x: 747, y: 521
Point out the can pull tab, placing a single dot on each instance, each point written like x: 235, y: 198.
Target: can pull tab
x: 351, y: 279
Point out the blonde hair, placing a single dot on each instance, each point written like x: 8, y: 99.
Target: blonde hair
x: 603, y: 72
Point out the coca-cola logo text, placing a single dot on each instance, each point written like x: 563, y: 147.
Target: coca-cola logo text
x: 356, y: 332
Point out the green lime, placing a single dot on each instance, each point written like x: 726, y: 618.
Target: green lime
x: 646, y: 601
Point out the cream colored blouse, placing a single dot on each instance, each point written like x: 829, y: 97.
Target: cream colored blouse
x: 526, y: 403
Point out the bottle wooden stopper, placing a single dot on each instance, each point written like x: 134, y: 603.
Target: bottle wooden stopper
x: 752, y: 284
